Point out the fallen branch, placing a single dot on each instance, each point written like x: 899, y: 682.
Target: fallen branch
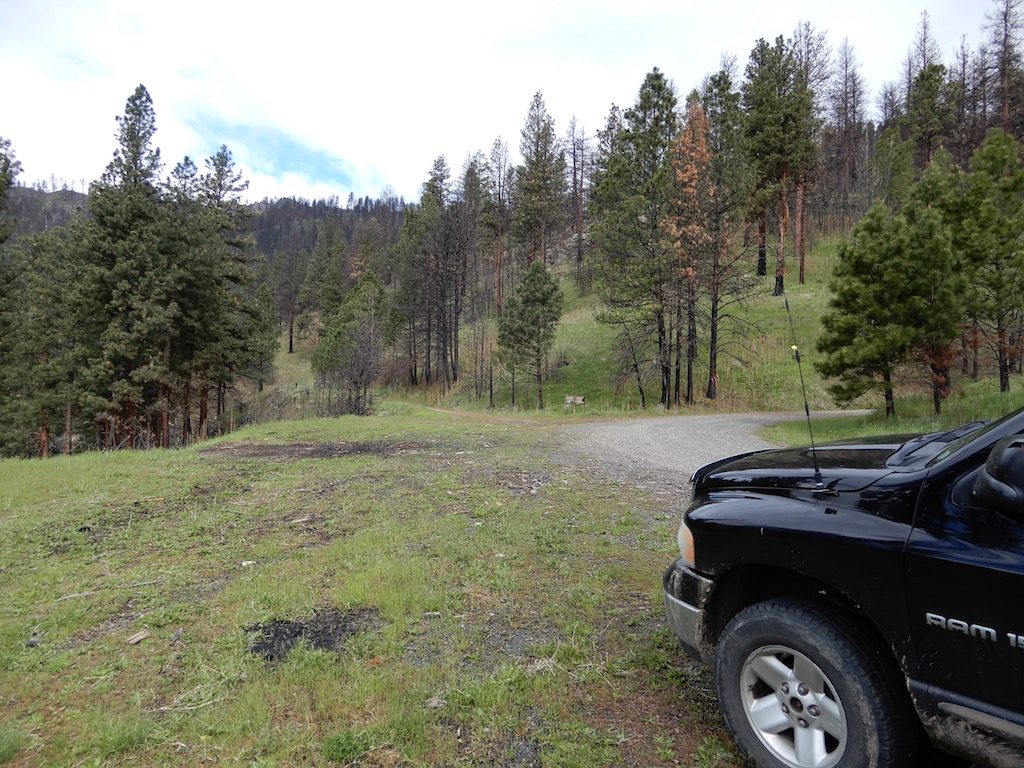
x: 73, y: 595
x: 92, y: 592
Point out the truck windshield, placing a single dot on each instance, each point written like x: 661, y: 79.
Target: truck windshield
x: 920, y: 450
x: 970, y: 437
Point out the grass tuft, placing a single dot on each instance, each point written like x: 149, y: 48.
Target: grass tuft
x: 11, y: 743
x: 123, y: 733
x: 347, y: 747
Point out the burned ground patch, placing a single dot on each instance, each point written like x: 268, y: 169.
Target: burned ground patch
x: 300, y: 451
x: 327, y: 630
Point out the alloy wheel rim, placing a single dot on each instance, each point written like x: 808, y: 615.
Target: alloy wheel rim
x: 793, y: 708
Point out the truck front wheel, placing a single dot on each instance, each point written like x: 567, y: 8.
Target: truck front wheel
x: 801, y: 685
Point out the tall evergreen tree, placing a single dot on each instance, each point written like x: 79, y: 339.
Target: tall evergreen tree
x: 727, y: 280
x: 897, y: 294
x: 1004, y: 24
x: 693, y: 229
x: 579, y: 152
x: 43, y: 378
x: 930, y: 296
x: 134, y: 255
x: 324, y: 282
x: 9, y: 169
x: 931, y: 112
x: 540, y: 183
x: 779, y: 109
x: 990, y: 233
x: 241, y: 337
x: 844, y: 148
x: 812, y: 64
x: 497, y: 215
x: 633, y: 204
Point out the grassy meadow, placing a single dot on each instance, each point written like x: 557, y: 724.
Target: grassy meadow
x: 440, y: 592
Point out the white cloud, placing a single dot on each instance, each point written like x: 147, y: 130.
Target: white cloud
x: 386, y: 86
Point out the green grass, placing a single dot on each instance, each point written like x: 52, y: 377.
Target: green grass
x: 503, y: 622
x: 11, y: 743
x: 973, y: 401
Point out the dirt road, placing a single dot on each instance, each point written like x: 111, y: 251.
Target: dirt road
x: 661, y: 453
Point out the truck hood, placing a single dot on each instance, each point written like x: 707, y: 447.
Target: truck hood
x: 845, y: 466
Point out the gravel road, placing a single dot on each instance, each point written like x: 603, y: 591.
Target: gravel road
x: 661, y: 453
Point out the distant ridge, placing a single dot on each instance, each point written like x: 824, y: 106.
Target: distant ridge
x: 35, y: 211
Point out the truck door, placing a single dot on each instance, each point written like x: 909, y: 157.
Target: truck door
x: 965, y: 594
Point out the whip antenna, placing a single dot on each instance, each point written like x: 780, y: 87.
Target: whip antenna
x: 819, y: 482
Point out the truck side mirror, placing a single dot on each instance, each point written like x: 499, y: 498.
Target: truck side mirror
x: 1000, y: 484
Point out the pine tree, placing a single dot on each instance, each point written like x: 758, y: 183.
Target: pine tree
x: 9, y: 293
x: 527, y: 327
x: 779, y: 108
x: 134, y: 253
x: 892, y: 170
x: 930, y: 295
x: 511, y: 333
x: 241, y: 336
x: 348, y: 359
x: 693, y: 228
x: 43, y: 379
x: 324, y: 284
x: 931, y: 112
x: 862, y: 339
x: 497, y: 214
x: 633, y: 205
x: 540, y: 183
x: 897, y: 294
x: 990, y: 233
x: 579, y: 151
x: 844, y: 144
x: 727, y: 280
x: 812, y: 64
x: 1004, y: 24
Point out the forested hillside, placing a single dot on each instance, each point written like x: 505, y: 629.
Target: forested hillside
x: 134, y: 316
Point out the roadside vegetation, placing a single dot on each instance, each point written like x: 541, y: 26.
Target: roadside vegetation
x: 973, y: 402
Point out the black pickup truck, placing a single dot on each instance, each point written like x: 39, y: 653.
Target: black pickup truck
x: 862, y: 599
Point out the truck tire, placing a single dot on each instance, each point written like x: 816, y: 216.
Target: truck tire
x: 802, y: 685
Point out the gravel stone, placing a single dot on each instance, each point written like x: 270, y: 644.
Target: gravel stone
x: 661, y: 453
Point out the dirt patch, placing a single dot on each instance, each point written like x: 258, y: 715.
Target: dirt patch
x: 327, y: 630
x: 94, y: 526
x: 525, y: 483
x: 497, y: 746
x: 652, y: 725
x: 497, y: 639
x: 120, y: 622
x: 299, y: 451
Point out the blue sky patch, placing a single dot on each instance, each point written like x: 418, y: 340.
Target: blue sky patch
x: 273, y: 152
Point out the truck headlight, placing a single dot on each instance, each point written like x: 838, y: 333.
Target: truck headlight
x: 685, y: 540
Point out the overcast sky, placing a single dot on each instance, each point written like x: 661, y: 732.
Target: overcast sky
x: 318, y: 99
